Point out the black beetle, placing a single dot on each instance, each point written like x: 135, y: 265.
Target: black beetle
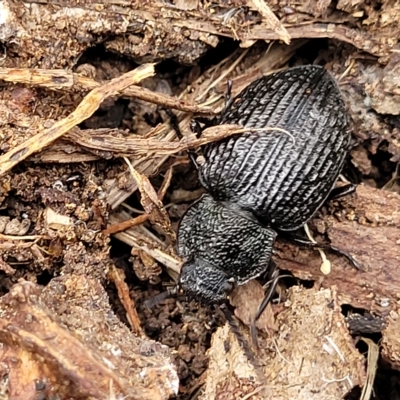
x: 262, y: 183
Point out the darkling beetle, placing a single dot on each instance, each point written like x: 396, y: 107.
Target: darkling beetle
x: 262, y: 183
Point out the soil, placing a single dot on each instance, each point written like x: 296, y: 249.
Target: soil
x: 61, y: 265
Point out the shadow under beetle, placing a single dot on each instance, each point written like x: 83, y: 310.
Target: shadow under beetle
x: 262, y: 183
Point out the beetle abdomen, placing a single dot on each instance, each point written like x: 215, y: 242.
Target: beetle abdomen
x: 283, y: 178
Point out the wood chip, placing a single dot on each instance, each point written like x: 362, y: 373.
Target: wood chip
x: 117, y: 276
x: 270, y: 19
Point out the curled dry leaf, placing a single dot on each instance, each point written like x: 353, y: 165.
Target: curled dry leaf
x: 246, y: 299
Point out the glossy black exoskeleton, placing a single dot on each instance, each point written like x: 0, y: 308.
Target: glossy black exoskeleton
x: 283, y: 179
x: 262, y: 182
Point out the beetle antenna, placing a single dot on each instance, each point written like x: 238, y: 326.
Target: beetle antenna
x: 155, y: 300
x: 234, y: 325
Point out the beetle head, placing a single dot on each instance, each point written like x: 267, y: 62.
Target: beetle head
x: 204, y: 282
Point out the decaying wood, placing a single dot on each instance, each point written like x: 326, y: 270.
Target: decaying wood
x: 186, y: 33
x: 311, y: 320
x: 366, y: 228
x: 390, y: 340
x: 123, y: 226
x: 84, y: 350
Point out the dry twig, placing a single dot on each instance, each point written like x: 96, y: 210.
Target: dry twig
x: 59, y: 79
x: 84, y: 110
x: 126, y: 300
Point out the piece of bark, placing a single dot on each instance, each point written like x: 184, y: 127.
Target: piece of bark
x: 384, y: 91
x: 390, y: 340
x: 366, y: 226
x: 153, y: 31
x: 64, y: 340
x: 312, y: 356
x: 369, y: 89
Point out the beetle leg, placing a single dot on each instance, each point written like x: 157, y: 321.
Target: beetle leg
x: 271, y: 289
x: 155, y: 300
x: 342, y: 191
x: 267, y: 298
x: 173, y: 120
x: 228, y: 94
x: 307, y: 243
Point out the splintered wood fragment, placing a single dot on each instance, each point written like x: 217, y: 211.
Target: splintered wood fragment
x: 58, y: 79
x: 122, y: 226
x: 166, y: 182
x: 50, y: 78
x: 126, y: 300
x: 358, y: 38
x: 84, y: 110
x: 270, y: 19
x: 151, y: 203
